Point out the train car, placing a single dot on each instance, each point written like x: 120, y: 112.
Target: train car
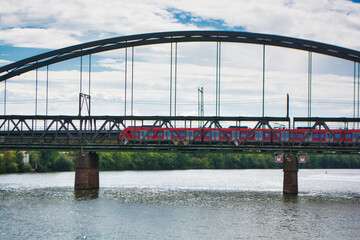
x: 239, y: 134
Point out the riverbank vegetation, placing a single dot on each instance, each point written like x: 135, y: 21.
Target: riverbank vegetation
x: 50, y: 161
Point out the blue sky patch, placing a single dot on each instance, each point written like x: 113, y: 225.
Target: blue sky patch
x: 187, y: 18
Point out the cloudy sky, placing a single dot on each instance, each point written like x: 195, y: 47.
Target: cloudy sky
x: 31, y: 27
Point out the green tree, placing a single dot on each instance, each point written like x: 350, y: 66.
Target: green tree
x: 2, y: 164
x: 63, y: 163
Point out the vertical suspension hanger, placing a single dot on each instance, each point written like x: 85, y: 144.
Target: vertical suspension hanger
x: 5, y: 97
x: 80, y: 87
x: 36, y: 97
x: 47, y: 90
x: 89, y: 110
x: 171, y: 63
x: 47, y: 96
x: 36, y: 91
x: 175, y: 83
x: 132, y: 81
x: 89, y: 96
x: 358, y: 103
x: 309, y: 84
x: 354, y: 104
x: 218, y: 65
x: 217, y: 78
x: 263, y: 83
x: 125, y: 80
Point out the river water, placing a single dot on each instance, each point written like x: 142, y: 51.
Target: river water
x: 189, y: 204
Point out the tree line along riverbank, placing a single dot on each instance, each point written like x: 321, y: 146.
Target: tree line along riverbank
x: 49, y: 161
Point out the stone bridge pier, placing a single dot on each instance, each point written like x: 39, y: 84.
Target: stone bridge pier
x: 87, y: 171
x: 290, y: 169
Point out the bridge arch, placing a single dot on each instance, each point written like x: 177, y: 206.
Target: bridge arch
x: 63, y: 54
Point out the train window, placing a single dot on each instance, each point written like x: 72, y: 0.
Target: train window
x: 328, y: 135
x: 182, y: 134
x: 316, y: 135
x: 159, y: 134
x: 337, y: 135
x: 228, y: 135
x: 251, y: 135
x: 292, y: 135
x: 197, y: 134
x: 136, y: 133
x: 151, y: 134
x: 189, y: 134
x: 207, y: 134
x: 348, y: 136
x: 266, y: 135
x: 278, y: 135
x: 300, y: 135
x: 286, y: 135
x: 243, y: 135
x: 174, y: 134
x: 143, y: 133
x: 215, y: 134
x: 322, y: 135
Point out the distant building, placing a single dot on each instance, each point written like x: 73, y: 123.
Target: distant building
x: 26, y: 157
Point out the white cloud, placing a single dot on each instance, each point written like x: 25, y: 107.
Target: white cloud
x: 4, y: 62
x: 55, y: 24
x: 335, y: 21
x: 38, y: 38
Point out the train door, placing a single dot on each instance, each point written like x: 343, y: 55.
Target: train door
x: 356, y: 137
x: 167, y: 135
x: 215, y: 135
x: 235, y: 135
x: 258, y: 136
x: 143, y: 134
x: 329, y: 138
x: 322, y: 137
x: 284, y: 136
x: 190, y: 135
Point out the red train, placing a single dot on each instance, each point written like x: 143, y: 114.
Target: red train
x: 237, y: 135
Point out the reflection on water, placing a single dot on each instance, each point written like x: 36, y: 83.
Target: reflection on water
x: 86, y: 194
x: 290, y: 198
x: 241, y: 204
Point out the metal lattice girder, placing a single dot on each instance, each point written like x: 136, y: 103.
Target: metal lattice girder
x: 63, y: 54
x: 104, y: 133
x: 320, y: 121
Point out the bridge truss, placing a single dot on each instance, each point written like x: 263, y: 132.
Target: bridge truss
x: 105, y: 133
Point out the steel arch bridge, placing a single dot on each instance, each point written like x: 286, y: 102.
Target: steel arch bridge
x: 59, y: 55
x: 83, y: 132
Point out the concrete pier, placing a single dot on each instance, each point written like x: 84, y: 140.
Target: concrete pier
x: 290, y: 168
x: 87, y: 171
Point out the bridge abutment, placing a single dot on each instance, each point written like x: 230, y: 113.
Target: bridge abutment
x: 290, y: 168
x: 87, y: 171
